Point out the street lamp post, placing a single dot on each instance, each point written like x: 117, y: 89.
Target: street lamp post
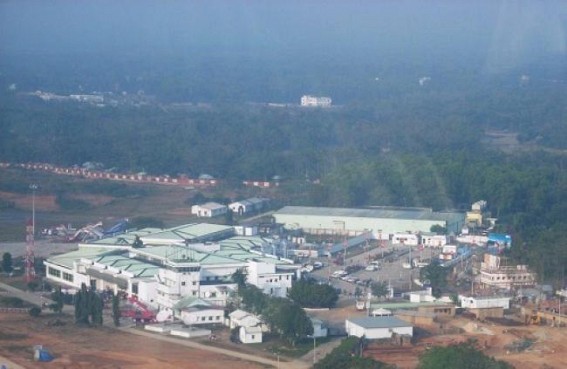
x: 314, y: 350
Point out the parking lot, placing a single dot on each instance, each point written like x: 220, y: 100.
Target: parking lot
x: 390, y: 261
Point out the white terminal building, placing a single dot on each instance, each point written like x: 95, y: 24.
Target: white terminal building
x: 316, y: 101
x: 190, y: 261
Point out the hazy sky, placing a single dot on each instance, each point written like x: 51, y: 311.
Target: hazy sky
x: 491, y: 35
x: 177, y: 26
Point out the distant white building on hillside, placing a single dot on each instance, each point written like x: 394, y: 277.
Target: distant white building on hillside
x: 316, y: 101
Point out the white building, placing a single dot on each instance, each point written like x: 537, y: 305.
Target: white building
x: 471, y: 302
x: 267, y: 278
x: 494, y: 274
x: 380, y: 312
x: 319, y: 328
x: 422, y: 296
x: 241, y: 318
x: 250, y: 334
x: 244, y: 230
x: 408, y: 239
x: 209, y: 210
x: 377, y: 327
x: 250, y: 205
x: 163, y: 275
x: 194, y: 311
x: 379, y: 222
x: 433, y: 240
x: 251, y: 327
x: 316, y: 101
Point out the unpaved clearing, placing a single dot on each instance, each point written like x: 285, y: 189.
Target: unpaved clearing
x: 547, y: 351
x: 103, y: 348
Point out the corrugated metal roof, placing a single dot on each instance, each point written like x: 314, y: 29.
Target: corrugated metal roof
x: 379, y: 322
x: 67, y: 259
x: 382, y: 212
x: 187, y: 232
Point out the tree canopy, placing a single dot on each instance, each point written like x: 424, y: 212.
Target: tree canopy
x: 459, y: 356
x: 308, y: 293
x: 348, y: 355
x: 282, y: 315
x: 435, y: 276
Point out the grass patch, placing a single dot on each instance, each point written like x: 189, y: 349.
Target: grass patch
x: 278, y: 346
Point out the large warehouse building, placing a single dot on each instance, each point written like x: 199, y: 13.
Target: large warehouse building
x: 384, y: 220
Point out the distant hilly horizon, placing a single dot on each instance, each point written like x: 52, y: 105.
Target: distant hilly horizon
x: 249, y: 50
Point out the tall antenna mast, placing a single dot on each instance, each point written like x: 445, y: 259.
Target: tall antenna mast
x: 30, y: 241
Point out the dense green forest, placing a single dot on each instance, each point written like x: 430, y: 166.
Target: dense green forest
x: 426, y: 147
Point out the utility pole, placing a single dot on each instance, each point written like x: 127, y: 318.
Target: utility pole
x: 314, y: 352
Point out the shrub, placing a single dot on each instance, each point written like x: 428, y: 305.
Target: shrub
x: 35, y: 311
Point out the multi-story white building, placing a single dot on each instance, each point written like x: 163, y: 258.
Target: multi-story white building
x: 163, y: 275
x: 493, y: 274
x: 316, y: 101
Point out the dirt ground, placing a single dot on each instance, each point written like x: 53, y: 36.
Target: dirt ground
x: 547, y: 351
x: 103, y: 348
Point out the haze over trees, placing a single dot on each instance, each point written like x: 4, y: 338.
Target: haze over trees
x: 415, y: 113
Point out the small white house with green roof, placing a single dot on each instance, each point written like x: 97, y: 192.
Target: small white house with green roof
x: 195, y: 311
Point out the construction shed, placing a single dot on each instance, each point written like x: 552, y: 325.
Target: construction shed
x: 377, y: 327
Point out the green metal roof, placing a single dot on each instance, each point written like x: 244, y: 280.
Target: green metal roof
x: 67, y: 259
x: 178, y: 253
x: 187, y: 232
x: 191, y: 301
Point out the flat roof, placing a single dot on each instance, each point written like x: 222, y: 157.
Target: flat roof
x: 375, y: 212
x: 379, y: 322
x: 408, y: 305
